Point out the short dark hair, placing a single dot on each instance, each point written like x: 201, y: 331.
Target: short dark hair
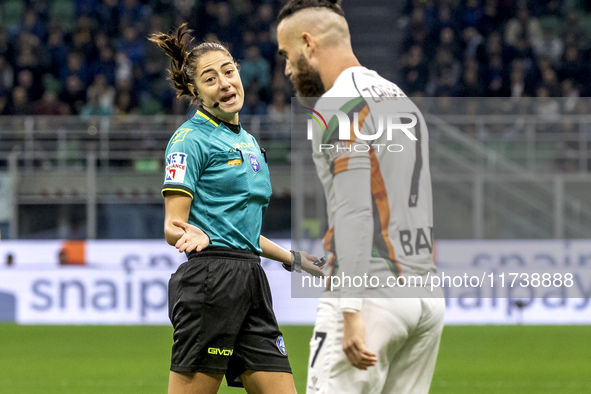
x: 294, y: 6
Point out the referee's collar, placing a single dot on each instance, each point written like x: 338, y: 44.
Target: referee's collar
x: 235, y: 128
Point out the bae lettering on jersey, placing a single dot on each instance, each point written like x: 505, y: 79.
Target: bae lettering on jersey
x: 176, y: 167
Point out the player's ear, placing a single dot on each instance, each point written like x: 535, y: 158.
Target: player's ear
x: 309, y: 44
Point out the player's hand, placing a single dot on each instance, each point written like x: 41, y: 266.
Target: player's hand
x: 309, y: 266
x: 354, y: 342
x: 193, y: 239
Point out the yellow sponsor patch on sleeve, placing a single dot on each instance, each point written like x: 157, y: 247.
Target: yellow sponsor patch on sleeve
x: 234, y: 162
x: 180, y: 135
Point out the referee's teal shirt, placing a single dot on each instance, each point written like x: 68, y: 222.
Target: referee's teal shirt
x: 222, y: 168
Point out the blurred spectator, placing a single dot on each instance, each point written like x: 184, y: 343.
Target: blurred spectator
x: 19, y: 104
x: 132, y: 46
x: 124, y: 103
x: 550, y: 80
x: 418, y: 33
x: 491, y: 19
x: 253, y: 104
x: 223, y: 25
x: 124, y: 68
x: 517, y: 83
x: 40, y: 7
x: 6, y: 75
x: 102, y: 94
x: 279, y: 115
x: 28, y: 56
x: 549, y: 45
x: 574, y: 33
x: 24, y: 78
x: 473, y: 42
x: 75, y: 65
x: 471, y: 14
x: 550, y: 7
x: 86, y: 7
x: 255, y: 68
x: 155, y: 64
x: 444, y: 74
x: 106, y: 65
x: 470, y: 85
x: 548, y: 111
x: 415, y: 71
x: 73, y: 95
x: 445, y: 19
x: 265, y: 17
x: 267, y: 47
x: 571, y: 96
x: 429, y: 10
x: 32, y: 25
x: 279, y: 109
x: 132, y: 13
x: 82, y: 38
x: 58, y: 52
x: 101, y: 41
x: 93, y: 108
x: 497, y: 77
x: 7, y: 50
x: 107, y: 17
x: 574, y: 68
x: 448, y: 41
x: 49, y: 104
x: 523, y: 25
x: 523, y: 52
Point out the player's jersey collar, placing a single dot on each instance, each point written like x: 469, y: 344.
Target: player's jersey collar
x: 345, y: 74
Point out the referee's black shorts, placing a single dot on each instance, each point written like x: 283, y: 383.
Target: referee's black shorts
x: 219, y: 303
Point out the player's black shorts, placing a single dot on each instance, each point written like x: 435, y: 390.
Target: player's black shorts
x: 221, y: 310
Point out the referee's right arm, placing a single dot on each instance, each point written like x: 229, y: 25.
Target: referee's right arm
x: 177, y: 205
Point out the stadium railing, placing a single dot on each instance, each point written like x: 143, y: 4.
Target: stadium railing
x: 494, y: 176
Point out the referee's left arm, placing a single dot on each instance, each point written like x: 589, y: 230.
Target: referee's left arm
x: 275, y: 252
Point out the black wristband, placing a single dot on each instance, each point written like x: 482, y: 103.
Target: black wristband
x: 296, y: 264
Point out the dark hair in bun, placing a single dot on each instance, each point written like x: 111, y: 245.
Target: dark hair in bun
x: 183, y: 59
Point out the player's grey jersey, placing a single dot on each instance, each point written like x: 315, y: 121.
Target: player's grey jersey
x: 376, y: 177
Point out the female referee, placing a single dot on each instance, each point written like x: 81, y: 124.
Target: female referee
x: 216, y: 190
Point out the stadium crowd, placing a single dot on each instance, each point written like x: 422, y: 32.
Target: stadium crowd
x: 92, y: 57
x: 89, y: 57
x: 497, y: 48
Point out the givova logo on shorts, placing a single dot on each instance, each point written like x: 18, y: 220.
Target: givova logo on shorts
x: 220, y: 352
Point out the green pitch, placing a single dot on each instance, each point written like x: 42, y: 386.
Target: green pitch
x: 134, y: 359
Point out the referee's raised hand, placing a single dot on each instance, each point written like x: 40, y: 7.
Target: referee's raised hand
x: 193, y: 239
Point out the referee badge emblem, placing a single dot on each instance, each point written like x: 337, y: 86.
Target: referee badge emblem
x: 254, y: 162
x: 281, y: 345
